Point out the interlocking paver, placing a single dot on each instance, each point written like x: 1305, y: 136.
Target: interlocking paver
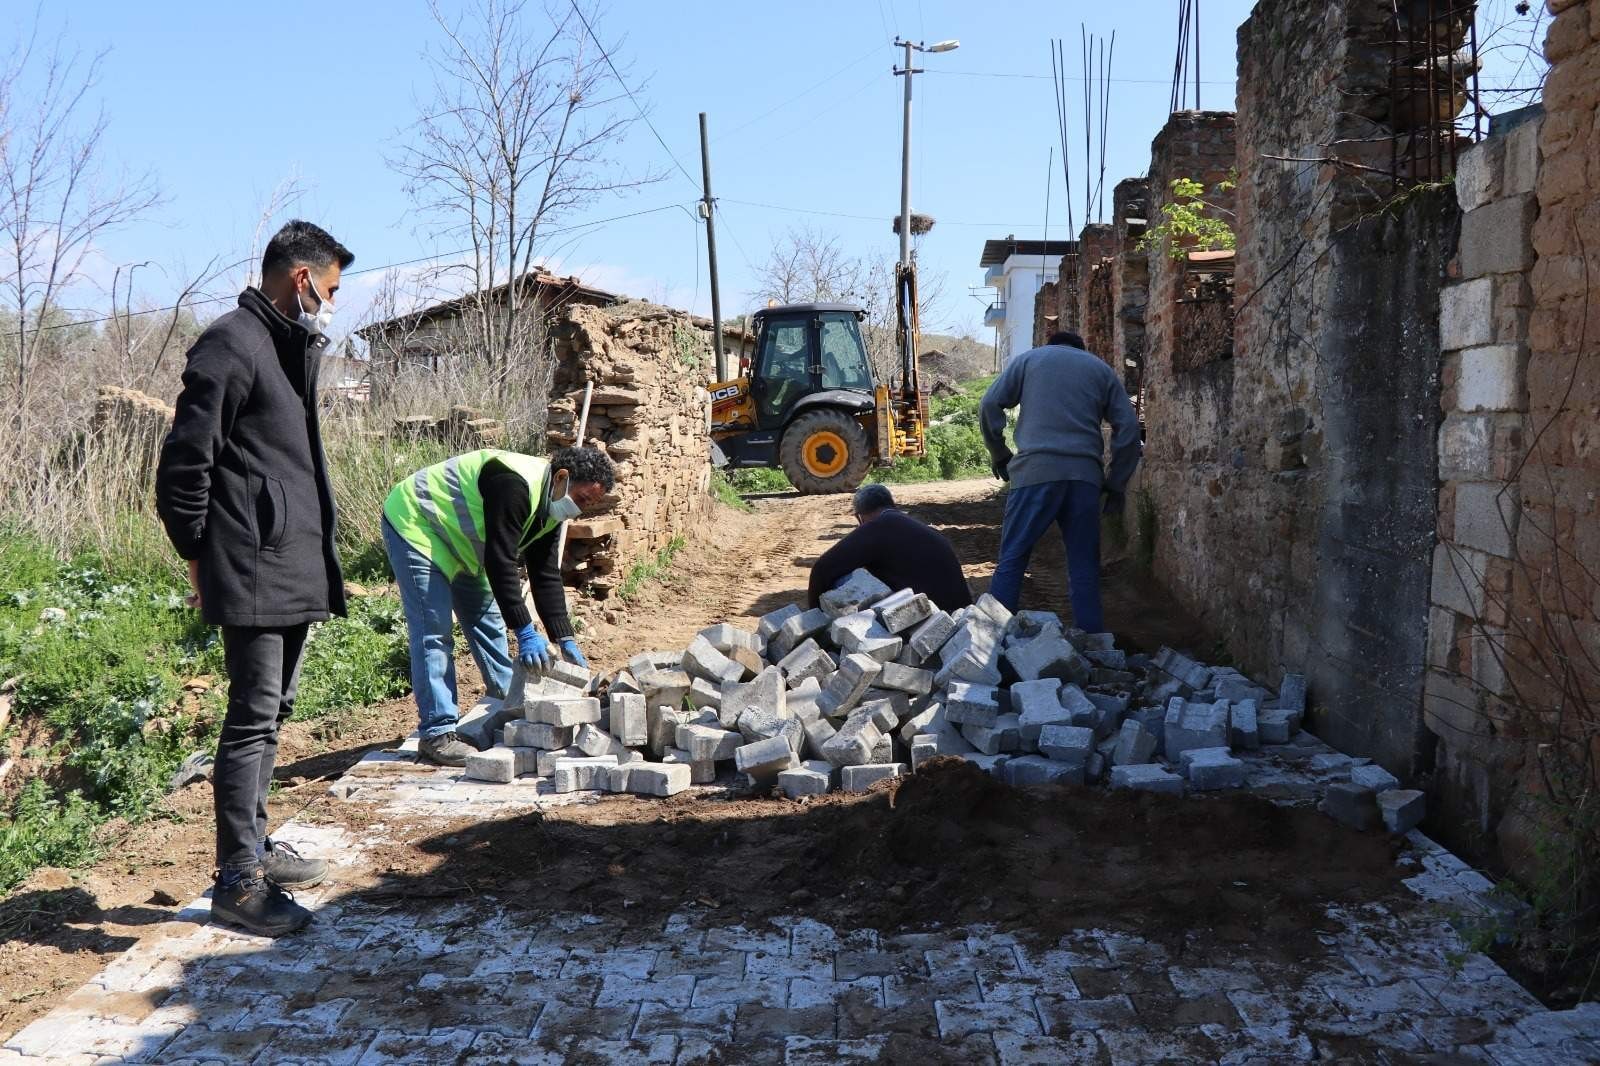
x: 474, y: 981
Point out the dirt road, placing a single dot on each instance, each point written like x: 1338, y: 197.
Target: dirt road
x: 61, y: 926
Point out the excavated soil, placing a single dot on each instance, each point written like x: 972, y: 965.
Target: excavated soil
x: 950, y: 845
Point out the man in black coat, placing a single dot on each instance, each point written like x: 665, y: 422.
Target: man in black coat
x: 242, y: 488
x: 896, y: 549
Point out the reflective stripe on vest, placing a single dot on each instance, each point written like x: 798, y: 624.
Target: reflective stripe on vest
x: 439, y: 510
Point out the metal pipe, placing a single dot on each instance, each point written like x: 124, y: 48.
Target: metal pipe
x: 905, y: 165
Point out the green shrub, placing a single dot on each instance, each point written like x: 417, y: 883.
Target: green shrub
x: 356, y: 660
x: 722, y: 488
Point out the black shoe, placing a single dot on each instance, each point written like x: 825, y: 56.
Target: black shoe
x: 446, y: 749
x: 287, y: 868
x: 256, y: 904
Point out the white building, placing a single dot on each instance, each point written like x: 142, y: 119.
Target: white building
x: 1016, y: 270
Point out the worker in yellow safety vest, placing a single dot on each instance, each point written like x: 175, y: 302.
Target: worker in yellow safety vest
x: 456, y: 533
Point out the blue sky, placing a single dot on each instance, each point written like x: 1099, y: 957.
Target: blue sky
x: 224, y: 101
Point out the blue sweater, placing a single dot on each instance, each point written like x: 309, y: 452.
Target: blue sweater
x: 1065, y: 394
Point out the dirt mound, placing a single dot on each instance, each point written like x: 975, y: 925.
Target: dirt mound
x: 949, y: 845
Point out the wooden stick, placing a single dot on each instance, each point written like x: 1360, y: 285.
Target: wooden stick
x: 583, y: 427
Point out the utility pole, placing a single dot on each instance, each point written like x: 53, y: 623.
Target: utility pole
x: 707, y: 211
x: 905, y: 273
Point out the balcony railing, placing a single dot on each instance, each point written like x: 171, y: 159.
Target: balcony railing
x: 995, y: 313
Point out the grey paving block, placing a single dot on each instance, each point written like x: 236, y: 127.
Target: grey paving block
x: 1351, y: 805
x: 1374, y: 777
x: 905, y: 679
x: 708, y: 744
x: 929, y: 637
x: 858, y: 591
x: 766, y: 691
x: 926, y: 746
x: 585, y: 774
x: 1292, y: 694
x: 659, y: 779
x: 1146, y: 777
x: 765, y: 759
x: 769, y: 624
x: 564, y: 712
x: 1403, y: 809
x: 496, y: 765
x: 705, y: 695
x: 565, y: 673
x: 626, y: 718
x: 726, y: 637
x: 845, y: 687
x: 1069, y: 744
x: 524, y: 734
x: 701, y: 772
x: 861, y: 778
x: 931, y: 719
x: 663, y: 723
x: 485, y: 723
x: 701, y: 659
x: 1277, y: 726
x: 806, y: 661
x: 1243, y: 731
x: 808, y: 779
x: 1038, y: 770
x: 596, y: 741
x: 968, y: 703
x: 818, y: 732
x: 854, y: 743
x: 1047, y: 655
x: 796, y: 629
x: 1194, y: 725
x: 1209, y: 769
x: 904, y: 611
x: 545, y: 761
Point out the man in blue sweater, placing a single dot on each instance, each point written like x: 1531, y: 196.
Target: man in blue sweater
x: 1057, y: 474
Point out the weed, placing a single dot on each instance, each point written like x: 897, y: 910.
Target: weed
x: 649, y: 570
x: 722, y: 488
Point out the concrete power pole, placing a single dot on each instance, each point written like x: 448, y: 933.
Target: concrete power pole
x: 707, y: 210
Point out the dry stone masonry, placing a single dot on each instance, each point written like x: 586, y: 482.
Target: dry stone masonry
x: 874, y: 683
x: 651, y: 413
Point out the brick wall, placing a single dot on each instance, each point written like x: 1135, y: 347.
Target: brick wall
x: 1046, y: 312
x: 651, y: 413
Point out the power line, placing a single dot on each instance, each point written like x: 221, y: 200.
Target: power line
x: 1046, y: 77
x: 867, y: 218
x: 344, y: 274
x: 801, y: 95
x: 615, y: 73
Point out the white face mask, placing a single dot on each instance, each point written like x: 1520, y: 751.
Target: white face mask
x: 316, y: 323
x: 564, y: 507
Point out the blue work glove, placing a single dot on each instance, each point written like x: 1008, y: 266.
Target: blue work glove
x: 532, y: 649
x: 569, y: 646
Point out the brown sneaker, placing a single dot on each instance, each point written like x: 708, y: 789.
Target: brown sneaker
x: 446, y: 749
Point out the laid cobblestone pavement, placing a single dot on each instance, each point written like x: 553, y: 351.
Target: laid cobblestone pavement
x: 472, y: 982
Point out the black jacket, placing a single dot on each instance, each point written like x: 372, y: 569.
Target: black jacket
x: 242, y: 484
x: 506, y: 503
x: 902, y: 553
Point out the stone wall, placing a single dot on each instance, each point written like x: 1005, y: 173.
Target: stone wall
x: 1514, y: 689
x: 1294, y: 484
x: 1047, y: 311
x: 651, y: 414
x: 1130, y: 278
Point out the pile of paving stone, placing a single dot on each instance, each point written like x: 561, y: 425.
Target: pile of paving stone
x: 873, y: 683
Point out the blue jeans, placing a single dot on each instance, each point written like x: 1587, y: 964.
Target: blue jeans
x: 1030, y: 509
x: 430, y: 599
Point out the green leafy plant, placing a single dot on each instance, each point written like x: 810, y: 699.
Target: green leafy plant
x: 650, y: 570
x: 722, y: 488
x: 1186, y: 226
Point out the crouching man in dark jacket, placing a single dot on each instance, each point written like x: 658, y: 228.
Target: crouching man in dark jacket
x: 242, y: 488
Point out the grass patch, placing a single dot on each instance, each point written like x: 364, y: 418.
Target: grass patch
x: 722, y: 488
x: 649, y: 570
x: 102, y: 655
x: 757, y: 480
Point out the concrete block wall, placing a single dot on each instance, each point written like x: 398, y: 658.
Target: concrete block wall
x: 651, y: 413
x: 1130, y: 276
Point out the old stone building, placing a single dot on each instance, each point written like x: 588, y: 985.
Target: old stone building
x: 1370, y: 428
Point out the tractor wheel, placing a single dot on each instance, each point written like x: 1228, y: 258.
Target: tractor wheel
x: 825, y: 451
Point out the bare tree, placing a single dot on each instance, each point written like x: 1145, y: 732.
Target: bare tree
x: 808, y: 265
x: 56, y: 201
x: 517, y: 135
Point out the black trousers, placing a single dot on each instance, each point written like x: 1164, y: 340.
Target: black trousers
x: 263, y: 675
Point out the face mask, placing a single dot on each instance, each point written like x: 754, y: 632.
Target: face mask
x: 316, y: 323
x: 564, y: 508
